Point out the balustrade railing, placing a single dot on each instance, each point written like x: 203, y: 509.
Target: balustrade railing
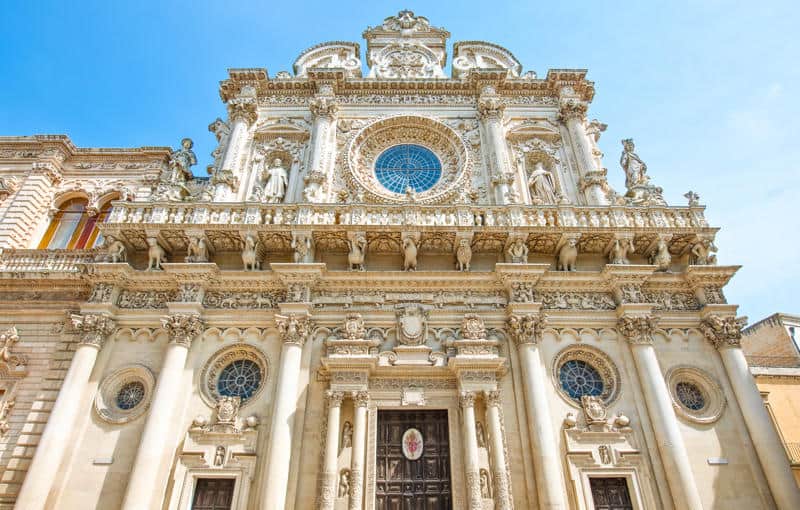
x: 44, y: 260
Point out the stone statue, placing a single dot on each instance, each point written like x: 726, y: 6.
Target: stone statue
x: 181, y: 162
x: 661, y: 256
x: 567, y: 256
x: 344, y: 483
x: 114, y: 249
x: 635, y: 168
x: 277, y: 179
x: 347, y: 435
x: 620, y: 250
x: 219, y: 456
x: 463, y: 255
x: 703, y: 253
x: 222, y: 131
x: 481, y: 435
x: 409, y: 254
x: 693, y: 198
x: 250, y: 253
x: 155, y: 255
x: 302, y: 248
x: 542, y: 185
x: 197, y: 251
x: 486, y: 488
x: 517, y: 252
x: 358, y: 249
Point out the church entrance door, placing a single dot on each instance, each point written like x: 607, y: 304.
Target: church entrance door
x: 610, y: 494
x: 413, y: 461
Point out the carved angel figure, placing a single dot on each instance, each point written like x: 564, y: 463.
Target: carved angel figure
x: 277, y: 180
x: 181, y: 162
x: 542, y: 185
x: 635, y: 169
x: 358, y: 249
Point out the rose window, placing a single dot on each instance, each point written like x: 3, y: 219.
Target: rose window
x: 408, y: 166
x: 579, y: 378
x: 240, y: 378
x: 690, y: 396
x: 130, y: 395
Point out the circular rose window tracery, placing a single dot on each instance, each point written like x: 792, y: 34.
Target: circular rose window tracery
x: 240, y: 370
x: 580, y: 370
x: 433, y: 142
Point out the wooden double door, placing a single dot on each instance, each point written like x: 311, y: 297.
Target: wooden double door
x: 421, y: 484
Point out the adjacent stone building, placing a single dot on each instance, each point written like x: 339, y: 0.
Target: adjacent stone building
x: 772, y: 348
x: 404, y: 284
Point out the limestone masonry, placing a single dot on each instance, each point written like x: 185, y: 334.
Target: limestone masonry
x: 397, y: 289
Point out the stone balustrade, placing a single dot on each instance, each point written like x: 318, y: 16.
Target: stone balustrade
x: 61, y: 261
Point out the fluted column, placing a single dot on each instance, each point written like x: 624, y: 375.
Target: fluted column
x: 323, y: 109
x: 490, y: 113
x: 294, y: 331
x: 573, y: 113
x: 360, y: 401
x: 471, y: 466
x: 148, y: 481
x: 525, y: 331
x: 94, y: 330
x: 638, y: 330
x: 327, y: 490
x: 502, y: 493
x: 725, y: 334
x: 242, y: 114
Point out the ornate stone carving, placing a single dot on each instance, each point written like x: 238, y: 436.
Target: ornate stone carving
x: 722, y: 332
x: 410, y: 253
x: 12, y: 363
x: 525, y: 328
x: 243, y: 300
x: 189, y: 293
x: 577, y: 300
x: 640, y: 191
x: 693, y: 198
x: 661, y: 257
x: 517, y: 251
x: 412, y: 325
x: 155, y: 255
x: 294, y: 329
x: 572, y: 109
x: 276, y: 180
x: 354, y: 327
x: 637, y: 329
x: 8, y: 186
x: 6, y: 406
x: 463, y: 255
x: 703, y: 252
x: 101, y: 293
x: 251, y: 256
x: 594, y: 410
x: 344, y: 483
x: 360, y: 398
x: 567, y: 255
x: 323, y: 106
x: 619, y: 250
x: 139, y: 299
x: 197, y: 249
x: 330, y: 55
x: 182, y: 327
x: 113, y: 250
x: 222, y: 132
x: 94, y: 328
x: 243, y: 108
x: 358, y: 250
x: 181, y: 162
x: 472, y: 327
x: 466, y: 399
x: 302, y: 244
x: 468, y: 55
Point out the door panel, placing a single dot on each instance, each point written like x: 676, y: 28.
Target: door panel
x: 422, y: 484
x: 213, y: 494
x: 610, y: 494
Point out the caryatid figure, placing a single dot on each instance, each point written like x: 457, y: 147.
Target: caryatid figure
x: 277, y: 181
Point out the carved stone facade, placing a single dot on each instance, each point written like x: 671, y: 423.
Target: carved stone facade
x: 401, y: 242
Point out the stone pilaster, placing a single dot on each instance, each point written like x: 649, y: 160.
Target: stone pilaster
x: 93, y: 329
x: 490, y: 112
x: 360, y: 402
x: 323, y: 142
x: 242, y: 112
x: 725, y: 334
x: 149, y: 475
x: 471, y: 467
x: 327, y: 489
x: 500, y: 471
x: 572, y: 113
x: 638, y: 328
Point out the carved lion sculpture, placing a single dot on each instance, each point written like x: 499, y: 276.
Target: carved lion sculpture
x: 155, y: 255
x: 567, y: 256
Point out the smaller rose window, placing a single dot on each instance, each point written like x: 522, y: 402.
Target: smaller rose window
x: 130, y: 395
x: 690, y: 396
x: 408, y: 166
x: 579, y: 378
x: 241, y: 378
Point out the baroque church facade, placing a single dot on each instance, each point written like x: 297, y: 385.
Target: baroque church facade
x: 397, y: 289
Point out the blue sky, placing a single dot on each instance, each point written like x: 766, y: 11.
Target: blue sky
x: 709, y: 90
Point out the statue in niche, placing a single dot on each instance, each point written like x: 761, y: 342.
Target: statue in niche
x: 181, y: 162
x: 219, y: 456
x: 481, y: 435
x: 635, y: 169
x: 344, y: 483
x: 486, y: 487
x: 517, y: 251
x: 277, y: 180
x: 347, y: 435
x: 542, y: 185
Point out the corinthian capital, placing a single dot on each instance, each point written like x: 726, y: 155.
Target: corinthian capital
x: 526, y: 328
x: 493, y: 398
x: 94, y: 328
x: 243, y: 108
x: 182, y: 327
x: 294, y: 329
x: 490, y: 107
x: 360, y: 398
x: 323, y: 106
x: 572, y: 109
x: 637, y: 329
x: 722, y: 332
x: 466, y: 399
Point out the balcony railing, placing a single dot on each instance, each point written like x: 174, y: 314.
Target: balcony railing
x: 63, y: 261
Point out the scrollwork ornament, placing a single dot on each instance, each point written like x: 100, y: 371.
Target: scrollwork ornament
x: 294, y: 329
x: 472, y: 327
x: 638, y: 330
x: 722, y: 332
x: 94, y: 328
x: 182, y: 327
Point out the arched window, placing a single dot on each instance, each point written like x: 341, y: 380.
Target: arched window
x: 73, y: 228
